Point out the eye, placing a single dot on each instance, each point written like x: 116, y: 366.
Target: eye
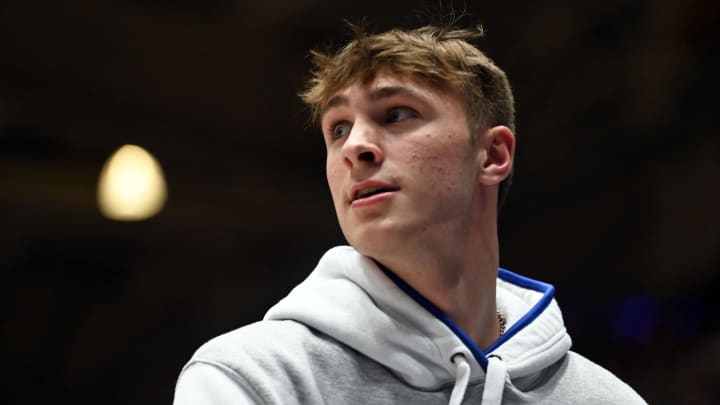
x: 340, y: 130
x: 399, y: 114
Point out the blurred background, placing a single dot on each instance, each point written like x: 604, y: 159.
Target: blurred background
x: 615, y: 199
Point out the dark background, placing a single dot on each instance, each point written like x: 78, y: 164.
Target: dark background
x: 615, y: 198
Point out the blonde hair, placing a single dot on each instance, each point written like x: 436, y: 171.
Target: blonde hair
x: 442, y: 56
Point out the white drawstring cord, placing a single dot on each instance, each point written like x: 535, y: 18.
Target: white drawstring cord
x: 494, y: 381
x: 462, y: 378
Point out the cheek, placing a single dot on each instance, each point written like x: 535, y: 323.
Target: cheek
x: 445, y: 167
x: 439, y: 159
x: 334, y: 178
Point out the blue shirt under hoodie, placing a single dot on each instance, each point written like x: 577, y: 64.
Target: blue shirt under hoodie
x: 353, y: 333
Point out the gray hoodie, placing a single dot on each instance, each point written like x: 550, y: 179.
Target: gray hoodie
x: 354, y: 333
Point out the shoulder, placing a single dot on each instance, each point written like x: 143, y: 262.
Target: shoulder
x: 247, y: 339
x: 268, y: 361
x: 595, y: 384
x: 268, y: 345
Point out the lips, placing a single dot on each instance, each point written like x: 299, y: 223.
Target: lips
x: 370, y: 188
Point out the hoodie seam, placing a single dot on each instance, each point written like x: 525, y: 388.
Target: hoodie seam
x: 242, y: 381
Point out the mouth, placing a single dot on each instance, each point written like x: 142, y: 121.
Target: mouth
x: 367, y: 192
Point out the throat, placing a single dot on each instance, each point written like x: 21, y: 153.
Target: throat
x: 467, y: 298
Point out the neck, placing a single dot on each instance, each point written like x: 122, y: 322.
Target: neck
x: 458, y: 275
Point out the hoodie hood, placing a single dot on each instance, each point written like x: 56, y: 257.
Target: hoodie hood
x: 350, y: 298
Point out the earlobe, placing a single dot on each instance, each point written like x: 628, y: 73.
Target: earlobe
x: 498, y: 155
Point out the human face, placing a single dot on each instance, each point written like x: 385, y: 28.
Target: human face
x: 401, y: 163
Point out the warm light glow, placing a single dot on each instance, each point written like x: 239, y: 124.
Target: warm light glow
x: 132, y: 186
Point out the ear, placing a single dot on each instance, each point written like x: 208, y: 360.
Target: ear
x: 498, y: 154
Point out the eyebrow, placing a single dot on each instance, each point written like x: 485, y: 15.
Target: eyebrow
x: 377, y: 94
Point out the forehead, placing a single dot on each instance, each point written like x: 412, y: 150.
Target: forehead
x: 386, y: 85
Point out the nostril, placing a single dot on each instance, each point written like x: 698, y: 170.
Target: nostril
x: 366, y: 156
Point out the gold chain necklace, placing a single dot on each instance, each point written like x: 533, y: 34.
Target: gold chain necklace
x: 502, y: 321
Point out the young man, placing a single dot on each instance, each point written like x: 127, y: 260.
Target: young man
x: 418, y: 126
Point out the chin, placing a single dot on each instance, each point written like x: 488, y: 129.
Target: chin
x: 375, y: 246
x: 376, y: 239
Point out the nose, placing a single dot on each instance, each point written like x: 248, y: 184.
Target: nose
x: 363, y: 145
